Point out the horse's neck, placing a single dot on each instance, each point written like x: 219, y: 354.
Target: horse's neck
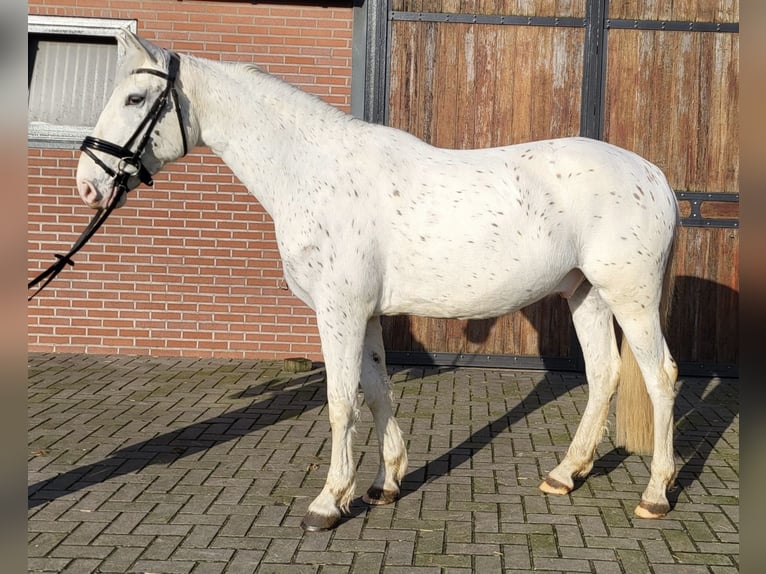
x: 262, y: 128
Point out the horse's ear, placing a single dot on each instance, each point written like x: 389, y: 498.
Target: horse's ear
x: 134, y: 46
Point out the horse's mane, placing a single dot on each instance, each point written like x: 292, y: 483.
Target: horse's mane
x: 282, y: 89
x: 243, y: 73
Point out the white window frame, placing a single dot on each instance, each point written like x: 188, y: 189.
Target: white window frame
x: 67, y: 136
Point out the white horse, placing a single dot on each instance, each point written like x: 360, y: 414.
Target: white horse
x: 372, y: 221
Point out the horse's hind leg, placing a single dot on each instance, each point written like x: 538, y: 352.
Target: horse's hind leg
x: 377, y: 395
x: 641, y: 328
x: 595, y: 330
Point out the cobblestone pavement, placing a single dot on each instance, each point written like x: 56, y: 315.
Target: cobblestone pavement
x: 172, y: 465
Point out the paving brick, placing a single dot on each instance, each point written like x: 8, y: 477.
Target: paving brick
x: 610, y: 567
x: 47, y: 564
x: 121, y: 559
x: 412, y: 570
x: 400, y: 552
x: 367, y: 563
x: 633, y: 561
x: 568, y: 535
x: 543, y: 545
x: 247, y: 561
x: 152, y: 464
x: 161, y: 547
x: 309, y: 557
x: 517, y: 557
x: 546, y: 564
x: 70, y: 551
x: 82, y: 566
x: 443, y: 560
x: 166, y: 566
x: 43, y: 543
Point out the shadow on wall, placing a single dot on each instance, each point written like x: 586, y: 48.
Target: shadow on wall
x: 702, y: 333
x: 459, y: 342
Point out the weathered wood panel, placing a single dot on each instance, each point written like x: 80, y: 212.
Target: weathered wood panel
x: 704, y: 319
x: 473, y: 86
x: 673, y: 98
x: 469, y: 86
x: 683, y: 10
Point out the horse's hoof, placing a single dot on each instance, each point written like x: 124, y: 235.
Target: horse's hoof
x: 651, y: 510
x: 553, y: 486
x: 317, y: 523
x: 379, y: 497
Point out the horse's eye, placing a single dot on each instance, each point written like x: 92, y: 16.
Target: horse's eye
x: 134, y: 100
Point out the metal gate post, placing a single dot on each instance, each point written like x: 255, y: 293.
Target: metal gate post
x: 594, y: 68
x: 370, y: 60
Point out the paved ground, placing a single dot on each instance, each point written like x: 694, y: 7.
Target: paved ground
x: 168, y: 465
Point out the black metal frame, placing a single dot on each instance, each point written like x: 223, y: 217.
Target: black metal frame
x: 533, y: 363
x: 696, y: 199
x: 508, y: 20
x: 594, y: 70
x: 672, y: 25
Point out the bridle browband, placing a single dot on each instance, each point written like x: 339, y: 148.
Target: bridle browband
x: 129, y: 164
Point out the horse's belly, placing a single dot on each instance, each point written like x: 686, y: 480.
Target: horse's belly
x: 472, y: 289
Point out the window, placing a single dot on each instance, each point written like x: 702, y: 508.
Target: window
x: 72, y: 62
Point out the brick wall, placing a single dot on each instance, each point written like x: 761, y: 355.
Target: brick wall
x: 189, y: 267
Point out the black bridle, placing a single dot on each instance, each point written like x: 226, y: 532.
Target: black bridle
x: 129, y: 165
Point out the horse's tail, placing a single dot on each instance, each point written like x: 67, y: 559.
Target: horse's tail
x: 634, y: 428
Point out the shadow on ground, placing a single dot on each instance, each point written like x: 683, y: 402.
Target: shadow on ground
x: 702, y: 417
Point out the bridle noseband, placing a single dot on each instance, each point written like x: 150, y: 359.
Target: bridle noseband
x: 129, y: 164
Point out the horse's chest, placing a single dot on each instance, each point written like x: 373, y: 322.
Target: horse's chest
x: 320, y: 254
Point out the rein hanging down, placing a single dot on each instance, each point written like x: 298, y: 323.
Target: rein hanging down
x: 129, y: 165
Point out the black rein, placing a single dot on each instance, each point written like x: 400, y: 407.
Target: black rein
x: 129, y: 164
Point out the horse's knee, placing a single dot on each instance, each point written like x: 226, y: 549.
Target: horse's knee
x: 342, y: 412
x: 661, y: 389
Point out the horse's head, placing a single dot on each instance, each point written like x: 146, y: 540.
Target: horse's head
x: 145, y: 124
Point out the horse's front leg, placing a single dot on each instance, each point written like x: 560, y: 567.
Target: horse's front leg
x: 377, y: 395
x: 342, y: 334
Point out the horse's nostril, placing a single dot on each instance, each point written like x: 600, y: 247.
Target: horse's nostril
x: 88, y: 193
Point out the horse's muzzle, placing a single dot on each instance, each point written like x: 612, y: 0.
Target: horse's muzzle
x: 94, y: 198
x: 90, y: 195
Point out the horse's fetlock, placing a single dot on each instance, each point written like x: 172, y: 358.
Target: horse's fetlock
x: 584, y: 469
x: 345, y: 496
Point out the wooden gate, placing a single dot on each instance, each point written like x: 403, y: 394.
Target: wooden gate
x: 659, y: 77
